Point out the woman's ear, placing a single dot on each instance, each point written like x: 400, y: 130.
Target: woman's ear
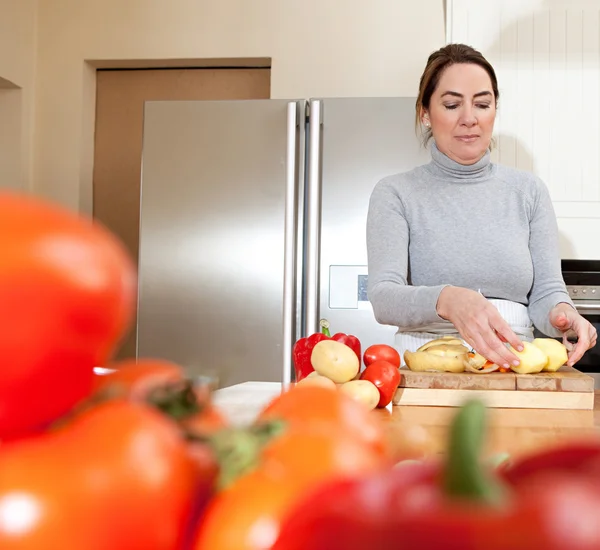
x: 425, y: 118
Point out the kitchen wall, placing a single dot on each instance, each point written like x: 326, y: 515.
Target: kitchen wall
x: 547, y: 57
x: 316, y: 47
x: 17, y: 70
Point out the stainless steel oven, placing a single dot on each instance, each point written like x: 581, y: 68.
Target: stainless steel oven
x: 582, y: 278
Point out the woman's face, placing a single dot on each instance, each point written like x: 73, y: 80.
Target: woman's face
x: 461, y: 112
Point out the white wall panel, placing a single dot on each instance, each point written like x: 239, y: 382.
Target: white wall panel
x: 547, y: 57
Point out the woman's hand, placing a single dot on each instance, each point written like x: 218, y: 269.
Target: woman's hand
x: 480, y: 324
x: 566, y: 319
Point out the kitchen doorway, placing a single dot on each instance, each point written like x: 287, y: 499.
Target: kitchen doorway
x: 120, y: 98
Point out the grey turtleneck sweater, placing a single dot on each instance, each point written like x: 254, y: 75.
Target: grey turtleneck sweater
x: 484, y: 227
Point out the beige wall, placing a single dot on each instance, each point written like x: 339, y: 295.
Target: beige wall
x: 17, y: 70
x: 374, y: 48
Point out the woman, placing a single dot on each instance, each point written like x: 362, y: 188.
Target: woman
x: 462, y: 246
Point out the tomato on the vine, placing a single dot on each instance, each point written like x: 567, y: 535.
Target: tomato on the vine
x: 292, y: 464
x: 322, y: 435
x: 134, y: 378
x: 67, y: 294
x: 164, y: 384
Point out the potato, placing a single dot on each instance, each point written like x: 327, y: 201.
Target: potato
x: 532, y: 358
x: 555, y: 350
x: 317, y: 380
x: 363, y: 391
x: 442, y: 357
x: 335, y: 360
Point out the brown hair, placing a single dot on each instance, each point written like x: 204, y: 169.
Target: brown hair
x: 437, y: 63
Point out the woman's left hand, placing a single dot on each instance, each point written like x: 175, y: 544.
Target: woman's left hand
x: 566, y: 319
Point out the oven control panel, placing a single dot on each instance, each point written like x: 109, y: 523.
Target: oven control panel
x: 584, y: 292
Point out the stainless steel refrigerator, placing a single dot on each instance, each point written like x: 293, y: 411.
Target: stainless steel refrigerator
x: 253, y: 226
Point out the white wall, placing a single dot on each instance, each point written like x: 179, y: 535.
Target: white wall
x: 17, y: 70
x: 318, y: 48
x: 547, y: 57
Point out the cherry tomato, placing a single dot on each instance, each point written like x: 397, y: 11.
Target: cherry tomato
x: 67, y: 294
x: 381, y: 352
x: 119, y: 476
x: 386, y: 377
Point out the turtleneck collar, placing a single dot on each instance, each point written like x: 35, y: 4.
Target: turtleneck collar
x: 444, y: 167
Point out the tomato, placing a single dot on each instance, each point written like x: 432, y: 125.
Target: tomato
x: 208, y: 420
x: 140, y: 380
x: 67, y: 294
x: 381, y: 352
x: 118, y: 477
x: 248, y: 514
x: 331, y: 411
x: 316, y: 455
x: 136, y: 377
x: 386, y: 377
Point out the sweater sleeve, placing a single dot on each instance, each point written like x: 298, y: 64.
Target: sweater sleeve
x: 394, y: 301
x: 548, y: 287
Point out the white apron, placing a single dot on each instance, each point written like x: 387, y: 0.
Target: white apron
x: 514, y: 314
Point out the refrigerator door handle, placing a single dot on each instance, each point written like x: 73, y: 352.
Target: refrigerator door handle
x: 290, y: 237
x: 313, y: 219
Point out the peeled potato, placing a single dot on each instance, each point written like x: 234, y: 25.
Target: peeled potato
x: 439, y: 341
x: 317, y: 380
x: 555, y: 350
x: 532, y: 358
x: 363, y: 391
x: 335, y: 360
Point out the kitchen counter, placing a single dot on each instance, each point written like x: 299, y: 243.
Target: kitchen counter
x: 511, y: 431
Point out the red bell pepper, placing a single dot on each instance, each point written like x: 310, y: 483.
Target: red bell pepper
x: 302, y: 349
x: 386, y: 378
x: 457, y: 503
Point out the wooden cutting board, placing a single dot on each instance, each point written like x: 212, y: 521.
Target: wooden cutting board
x: 567, y: 388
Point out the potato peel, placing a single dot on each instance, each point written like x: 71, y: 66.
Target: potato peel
x: 439, y: 341
x: 424, y: 361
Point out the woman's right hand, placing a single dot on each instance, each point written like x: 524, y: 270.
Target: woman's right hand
x: 480, y: 324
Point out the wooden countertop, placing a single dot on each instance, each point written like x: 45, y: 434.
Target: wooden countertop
x: 513, y: 431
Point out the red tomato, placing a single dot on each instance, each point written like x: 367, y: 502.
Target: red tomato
x: 385, y: 377
x: 118, y: 477
x: 248, y: 514
x: 379, y: 352
x: 67, y: 291
x: 137, y: 379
